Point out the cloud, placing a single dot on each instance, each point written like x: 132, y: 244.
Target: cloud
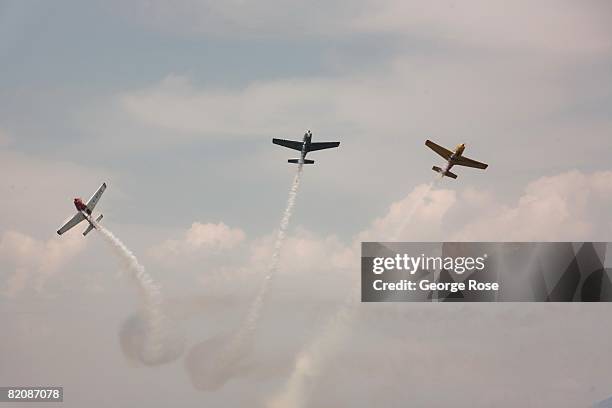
x: 570, y: 206
x: 304, y: 251
x: 200, y: 238
x: 546, y: 26
x: 175, y: 104
x: 363, y: 103
x: 561, y: 27
x: 487, y: 67
x: 35, y: 261
x: 418, y: 216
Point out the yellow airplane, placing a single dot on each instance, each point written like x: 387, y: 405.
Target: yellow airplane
x: 453, y: 158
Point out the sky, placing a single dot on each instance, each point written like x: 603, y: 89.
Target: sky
x: 174, y: 105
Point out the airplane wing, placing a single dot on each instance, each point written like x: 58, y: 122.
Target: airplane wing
x: 96, y: 197
x: 292, y: 144
x: 464, y: 161
x: 323, y: 145
x: 439, y: 149
x: 78, y: 217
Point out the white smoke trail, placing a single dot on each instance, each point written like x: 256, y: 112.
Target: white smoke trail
x: 413, y: 209
x: 239, y: 347
x: 311, y: 360
x: 253, y: 315
x: 153, y: 351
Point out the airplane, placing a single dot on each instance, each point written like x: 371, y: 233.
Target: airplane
x: 454, y: 158
x: 84, y: 212
x: 305, y: 146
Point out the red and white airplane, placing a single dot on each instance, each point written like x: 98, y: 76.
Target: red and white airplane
x: 84, y: 212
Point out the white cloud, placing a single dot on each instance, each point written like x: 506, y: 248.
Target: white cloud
x: 419, y: 216
x: 571, y: 206
x: 199, y: 238
x: 34, y: 261
x: 304, y: 252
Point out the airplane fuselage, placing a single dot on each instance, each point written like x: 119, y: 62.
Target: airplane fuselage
x: 306, y: 144
x: 81, y: 206
x: 456, y: 154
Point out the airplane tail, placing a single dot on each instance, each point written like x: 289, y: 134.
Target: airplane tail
x: 297, y: 161
x: 444, y: 173
x: 91, y: 226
